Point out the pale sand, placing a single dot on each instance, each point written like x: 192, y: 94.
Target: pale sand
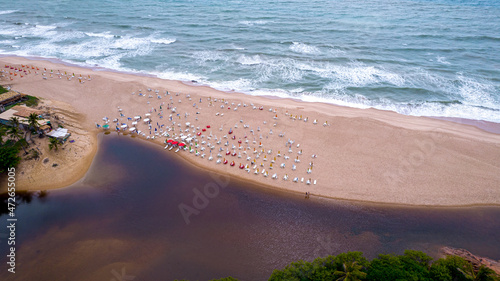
x: 363, y: 154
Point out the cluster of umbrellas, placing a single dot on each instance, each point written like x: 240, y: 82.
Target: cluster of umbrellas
x: 172, y: 142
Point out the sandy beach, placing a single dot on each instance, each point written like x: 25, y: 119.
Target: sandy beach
x: 352, y: 154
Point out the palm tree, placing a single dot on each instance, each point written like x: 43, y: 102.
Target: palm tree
x: 15, y: 133
x: 33, y: 122
x: 53, y: 143
x: 351, y: 272
x: 483, y: 273
x: 14, y: 122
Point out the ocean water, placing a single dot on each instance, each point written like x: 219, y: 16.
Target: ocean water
x: 415, y: 57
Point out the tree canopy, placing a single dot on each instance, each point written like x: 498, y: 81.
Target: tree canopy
x: 412, y: 265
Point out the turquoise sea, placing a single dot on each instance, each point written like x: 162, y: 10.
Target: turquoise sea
x: 415, y: 57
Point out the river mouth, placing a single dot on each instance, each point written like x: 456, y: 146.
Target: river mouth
x: 142, y: 211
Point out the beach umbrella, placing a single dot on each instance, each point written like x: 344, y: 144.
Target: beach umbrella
x: 182, y: 144
x: 146, y: 120
x: 124, y: 126
x: 132, y: 129
x: 147, y: 114
x: 134, y: 123
x: 106, y: 126
x: 174, y: 142
x: 137, y: 117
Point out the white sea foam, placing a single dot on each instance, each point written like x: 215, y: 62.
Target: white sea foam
x: 241, y: 85
x: 7, y: 12
x: 236, y: 47
x: 477, y: 93
x: 100, y: 35
x: 249, y: 60
x: 165, y: 41
x: 302, y: 48
x: 181, y: 76
x: 209, y: 56
x: 253, y: 22
x: 111, y: 62
x: 45, y: 27
x: 442, y: 60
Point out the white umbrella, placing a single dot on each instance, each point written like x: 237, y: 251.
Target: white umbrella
x: 137, y: 117
x: 124, y: 126
x: 132, y: 129
x: 148, y: 114
x: 134, y: 123
x: 187, y: 124
x: 146, y: 120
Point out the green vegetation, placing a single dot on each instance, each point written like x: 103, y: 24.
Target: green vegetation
x: 33, y: 123
x: 9, y: 148
x: 11, y: 142
x: 53, y: 144
x: 31, y: 101
x: 3, y: 90
x: 412, y: 265
x: 8, y: 157
x: 353, y: 266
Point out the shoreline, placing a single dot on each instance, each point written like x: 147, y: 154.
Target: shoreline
x: 399, y: 130
x: 194, y: 165
x: 487, y: 126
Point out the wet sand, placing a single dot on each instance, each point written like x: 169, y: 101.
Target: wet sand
x: 362, y: 154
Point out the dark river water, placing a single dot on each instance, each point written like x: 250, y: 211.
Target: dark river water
x: 142, y: 213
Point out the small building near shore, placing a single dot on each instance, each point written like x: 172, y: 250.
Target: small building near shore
x: 60, y: 134
x: 22, y: 112
x: 45, y: 128
x: 10, y: 98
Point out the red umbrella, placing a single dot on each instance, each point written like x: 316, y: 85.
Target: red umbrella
x: 169, y: 141
x: 182, y: 144
x: 208, y: 126
x: 175, y: 142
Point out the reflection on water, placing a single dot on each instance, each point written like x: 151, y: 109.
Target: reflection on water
x: 21, y: 197
x: 124, y: 218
